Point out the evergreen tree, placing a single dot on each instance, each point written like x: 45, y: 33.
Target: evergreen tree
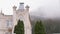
x: 39, y: 28
x: 19, y: 28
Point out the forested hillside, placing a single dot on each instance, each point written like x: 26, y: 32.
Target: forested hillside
x: 51, y: 25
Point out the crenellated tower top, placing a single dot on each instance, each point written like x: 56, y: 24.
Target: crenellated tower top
x: 21, y: 7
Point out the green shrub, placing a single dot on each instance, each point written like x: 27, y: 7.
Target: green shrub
x: 39, y: 28
x: 19, y: 28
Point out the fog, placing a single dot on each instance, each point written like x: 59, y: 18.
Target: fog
x: 47, y: 9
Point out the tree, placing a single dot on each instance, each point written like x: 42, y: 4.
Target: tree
x: 39, y: 28
x: 19, y: 28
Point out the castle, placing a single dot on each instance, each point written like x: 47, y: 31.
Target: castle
x: 8, y: 22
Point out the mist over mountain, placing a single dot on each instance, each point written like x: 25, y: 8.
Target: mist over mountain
x: 47, y: 9
x: 51, y: 25
x: 49, y: 14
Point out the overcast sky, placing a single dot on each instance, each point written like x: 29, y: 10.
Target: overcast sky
x: 45, y: 8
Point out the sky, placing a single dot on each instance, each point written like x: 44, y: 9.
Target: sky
x: 44, y: 8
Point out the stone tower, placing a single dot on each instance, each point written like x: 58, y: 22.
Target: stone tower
x: 22, y: 14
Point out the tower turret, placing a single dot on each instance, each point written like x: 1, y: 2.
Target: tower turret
x: 22, y: 14
x: 27, y: 7
x: 14, y: 7
x: 1, y: 13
